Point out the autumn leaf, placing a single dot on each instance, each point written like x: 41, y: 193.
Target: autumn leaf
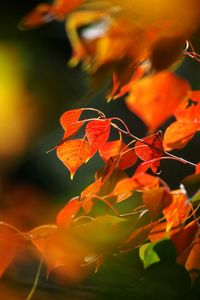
x: 97, y: 133
x: 66, y: 215
x: 150, y: 149
x: 193, y: 260
x: 189, y: 109
x: 155, y: 98
x: 178, y: 134
x: 126, y: 156
x: 8, y: 245
x: 70, y: 122
x: 110, y: 149
x: 156, y: 200
x: 73, y: 154
x: 59, y: 249
x: 177, y: 212
x: 185, y: 236
x: 139, y: 182
x: 89, y: 193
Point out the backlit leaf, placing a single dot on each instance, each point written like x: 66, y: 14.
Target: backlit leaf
x: 89, y: 193
x: 97, y: 133
x: 70, y: 122
x: 66, y: 215
x: 179, y: 133
x: 73, y: 154
x: 151, y: 148
x: 155, y: 98
x: 177, y: 212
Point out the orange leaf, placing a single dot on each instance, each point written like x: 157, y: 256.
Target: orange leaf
x: 193, y: 260
x: 155, y: 98
x: 189, y: 109
x: 154, y: 150
x: 127, y: 157
x: 139, y: 182
x: 63, y: 7
x: 97, y: 133
x: 110, y: 149
x: 70, y: 123
x: 59, y: 248
x: 89, y: 193
x: 177, y: 212
x: 184, y: 237
x: 66, y: 215
x: 73, y: 154
x: 156, y: 200
x: 39, y: 16
x: 197, y: 170
x: 8, y: 244
x: 178, y: 134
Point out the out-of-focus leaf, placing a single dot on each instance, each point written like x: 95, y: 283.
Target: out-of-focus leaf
x: 189, y: 109
x: 191, y: 184
x: 156, y: 200
x: 89, y: 193
x: 149, y: 96
x: 163, y: 250
x: 97, y: 133
x: 73, y: 154
x: 101, y: 232
x: 66, y: 215
x: 8, y: 244
x: 184, y: 237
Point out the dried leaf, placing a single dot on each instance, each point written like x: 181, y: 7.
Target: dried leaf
x: 73, y: 154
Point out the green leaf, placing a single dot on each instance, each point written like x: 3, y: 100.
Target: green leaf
x: 161, y: 251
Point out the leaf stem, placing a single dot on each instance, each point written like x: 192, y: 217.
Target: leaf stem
x: 36, y: 280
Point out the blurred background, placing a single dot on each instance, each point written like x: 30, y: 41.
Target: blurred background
x: 36, y: 87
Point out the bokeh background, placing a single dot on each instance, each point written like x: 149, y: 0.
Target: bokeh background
x: 36, y: 87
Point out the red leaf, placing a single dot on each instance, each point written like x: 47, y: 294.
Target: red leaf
x: 73, y: 154
x: 70, y: 123
x: 148, y: 153
x: 97, y: 133
x: 179, y: 133
x: 177, y: 212
x: 110, y: 149
x: 155, y: 98
x: 197, y: 170
x: 89, y: 193
x: 66, y: 215
x: 127, y: 157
